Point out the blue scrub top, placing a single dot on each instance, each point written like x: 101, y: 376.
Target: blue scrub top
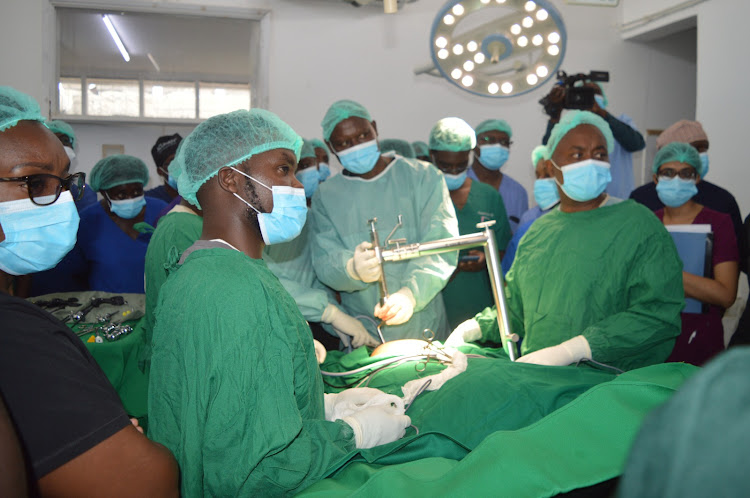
x: 514, y: 196
x: 115, y: 261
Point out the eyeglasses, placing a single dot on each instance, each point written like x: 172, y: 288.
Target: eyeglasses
x: 685, y: 174
x: 45, y: 189
x: 505, y: 142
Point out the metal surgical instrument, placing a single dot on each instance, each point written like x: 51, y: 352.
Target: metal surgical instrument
x: 484, y: 239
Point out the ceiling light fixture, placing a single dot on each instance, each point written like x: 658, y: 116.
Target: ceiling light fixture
x: 518, y: 48
x: 116, y: 37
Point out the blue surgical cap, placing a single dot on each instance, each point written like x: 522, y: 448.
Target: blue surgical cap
x: 228, y: 140
x: 58, y: 126
x: 681, y: 153
x: 400, y: 147
x: 318, y: 143
x: 537, y: 154
x: 118, y: 169
x: 339, y: 111
x: 16, y: 106
x: 494, y: 124
x: 452, y: 134
x: 308, y: 149
x: 421, y: 148
x: 572, y: 119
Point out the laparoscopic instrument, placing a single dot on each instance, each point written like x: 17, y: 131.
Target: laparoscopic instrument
x: 399, y: 249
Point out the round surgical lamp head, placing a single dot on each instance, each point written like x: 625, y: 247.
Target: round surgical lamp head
x: 498, y: 48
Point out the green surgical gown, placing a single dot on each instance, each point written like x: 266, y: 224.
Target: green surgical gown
x: 235, y: 390
x: 174, y: 233
x: 340, y: 210
x: 611, y: 274
x: 469, y: 292
x: 291, y: 262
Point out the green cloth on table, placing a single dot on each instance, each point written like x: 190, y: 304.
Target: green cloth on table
x: 470, y: 292
x: 340, y: 210
x: 504, y: 429
x: 611, y: 274
x: 235, y: 390
x: 175, y: 232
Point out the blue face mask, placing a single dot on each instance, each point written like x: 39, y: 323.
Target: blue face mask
x: 600, y: 101
x: 545, y: 193
x: 361, y: 158
x: 704, y: 164
x: 171, y: 181
x: 675, y: 192
x: 493, y: 156
x: 454, y: 182
x: 36, y: 237
x: 585, y: 180
x: 288, y: 216
x: 128, y: 208
x: 323, y: 171
x: 309, y: 179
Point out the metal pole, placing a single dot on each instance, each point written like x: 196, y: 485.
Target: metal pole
x: 492, y: 257
x: 378, y: 254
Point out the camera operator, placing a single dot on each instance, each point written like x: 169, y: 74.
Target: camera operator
x: 627, y: 138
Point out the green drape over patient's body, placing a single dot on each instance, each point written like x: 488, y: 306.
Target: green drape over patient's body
x: 611, y: 274
x: 340, y: 210
x: 235, y: 390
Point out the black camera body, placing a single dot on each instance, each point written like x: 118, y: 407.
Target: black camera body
x: 576, y: 97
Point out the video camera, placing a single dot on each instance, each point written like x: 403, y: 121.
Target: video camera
x: 576, y: 97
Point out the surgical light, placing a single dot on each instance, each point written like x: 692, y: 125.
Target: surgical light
x: 500, y: 48
x: 116, y: 37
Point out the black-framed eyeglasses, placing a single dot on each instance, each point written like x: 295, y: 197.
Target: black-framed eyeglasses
x: 685, y: 174
x: 45, y: 189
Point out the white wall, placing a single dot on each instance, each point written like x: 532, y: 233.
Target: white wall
x: 722, y: 79
x: 322, y: 51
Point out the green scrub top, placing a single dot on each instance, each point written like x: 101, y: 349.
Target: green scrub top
x: 341, y: 207
x: 175, y: 232
x: 611, y: 274
x: 470, y: 292
x: 235, y: 390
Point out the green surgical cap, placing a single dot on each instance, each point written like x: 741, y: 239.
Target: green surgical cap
x: 496, y: 125
x: 420, y: 148
x: 175, y: 167
x: 452, y: 134
x: 400, y: 147
x: 680, y: 152
x: 64, y: 128
x: 339, y: 111
x: 537, y: 154
x: 318, y: 143
x: 118, y: 170
x: 228, y: 140
x: 308, y: 149
x: 572, y: 119
x: 16, y: 106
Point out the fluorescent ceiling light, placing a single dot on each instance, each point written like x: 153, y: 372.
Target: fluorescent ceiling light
x: 116, y: 37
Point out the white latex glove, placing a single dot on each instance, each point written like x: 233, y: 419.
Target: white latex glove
x: 398, y: 309
x: 570, y: 351
x: 345, y: 324
x: 467, y: 331
x: 320, y: 351
x: 346, y: 403
x: 364, y: 265
x: 378, y: 425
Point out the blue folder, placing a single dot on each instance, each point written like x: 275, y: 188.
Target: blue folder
x: 695, y: 247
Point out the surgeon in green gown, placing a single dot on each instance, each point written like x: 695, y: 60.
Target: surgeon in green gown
x: 373, y: 185
x: 590, y: 280
x: 235, y: 390
x: 451, y: 143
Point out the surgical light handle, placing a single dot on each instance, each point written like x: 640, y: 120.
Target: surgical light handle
x: 485, y: 239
